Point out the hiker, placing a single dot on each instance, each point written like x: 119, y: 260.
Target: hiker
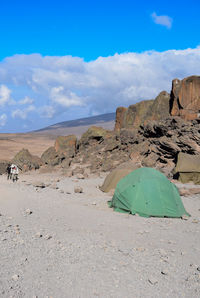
x: 8, y: 171
x: 14, y: 172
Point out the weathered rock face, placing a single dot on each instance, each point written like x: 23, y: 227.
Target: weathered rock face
x: 159, y: 110
x: 185, y: 98
x: 120, y: 118
x: 51, y: 157
x: 143, y: 111
x: 94, y: 134
x: 26, y: 161
x: 66, y: 145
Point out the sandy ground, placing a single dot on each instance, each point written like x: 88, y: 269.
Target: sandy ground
x: 11, y: 144
x: 73, y: 245
x: 38, y: 142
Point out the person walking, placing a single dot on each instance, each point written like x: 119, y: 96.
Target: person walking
x: 14, y: 172
x: 8, y: 171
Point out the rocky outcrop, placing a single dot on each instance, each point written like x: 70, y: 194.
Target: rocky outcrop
x: 66, y: 145
x: 185, y: 98
x: 26, y: 161
x: 120, y: 118
x: 51, y: 157
x: 142, y: 112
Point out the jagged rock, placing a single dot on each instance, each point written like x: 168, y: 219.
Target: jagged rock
x: 26, y: 161
x: 185, y: 98
x: 120, y: 118
x: 142, y: 112
x: 94, y: 134
x: 51, y: 157
x: 66, y: 145
x: 159, y: 110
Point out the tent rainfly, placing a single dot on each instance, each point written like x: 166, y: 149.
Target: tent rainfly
x: 147, y: 192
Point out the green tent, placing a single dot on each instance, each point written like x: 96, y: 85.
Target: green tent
x: 147, y: 192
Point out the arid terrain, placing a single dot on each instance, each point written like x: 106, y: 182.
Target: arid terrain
x: 58, y: 243
x: 37, y: 142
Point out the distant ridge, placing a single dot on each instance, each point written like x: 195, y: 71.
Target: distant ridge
x: 78, y: 126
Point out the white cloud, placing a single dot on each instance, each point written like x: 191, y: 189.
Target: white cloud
x: 3, y: 119
x: 4, y: 95
x: 162, y: 20
x: 47, y: 111
x: 58, y: 96
x: 23, y: 113
x: 60, y: 85
x: 26, y: 100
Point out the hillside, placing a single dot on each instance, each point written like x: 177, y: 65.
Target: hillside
x: 38, y: 141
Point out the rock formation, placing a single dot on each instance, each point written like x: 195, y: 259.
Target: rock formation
x: 26, y: 161
x: 143, y: 111
x: 145, y: 134
x: 183, y: 101
x: 185, y: 98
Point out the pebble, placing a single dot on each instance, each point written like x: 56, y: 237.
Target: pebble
x: 198, y: 268
x: 78, y: 189
x: 152, y: 280
x: 28, y: 211
x: 185, y: 217
x: 164, y: 272
x: 47, y: 237
x: 15, y: 277
x: 38, y: 235
x: 195, y: 220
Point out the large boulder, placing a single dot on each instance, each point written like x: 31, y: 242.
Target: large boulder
x: 66, y: 145
x: 185, y: 98
x: 188, y: 168
x: 94, y: 134
x: 26, y: 161
x: 51, y: 157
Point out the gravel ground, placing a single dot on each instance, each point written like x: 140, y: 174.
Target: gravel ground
x: 57, y: 243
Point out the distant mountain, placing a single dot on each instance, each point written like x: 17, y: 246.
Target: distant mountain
x: 79, y: 126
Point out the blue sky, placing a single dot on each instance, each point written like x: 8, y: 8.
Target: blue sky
x: 61, y: 60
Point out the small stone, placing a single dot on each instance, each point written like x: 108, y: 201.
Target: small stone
x: 80, y: 176
x: 38, y: 235
x: 198, y: 268
x: 39, y: 184
x: 61, y: 191
x: 140, y: 249
x: 47, y: 237
x: 15, y: 277
x: 94, y: 203
x: 28, y: 211
x: 195, y: 220
x: 164, y: 272
x: 152, y: 280
x: 185, y: 217
x: 78, y: 189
